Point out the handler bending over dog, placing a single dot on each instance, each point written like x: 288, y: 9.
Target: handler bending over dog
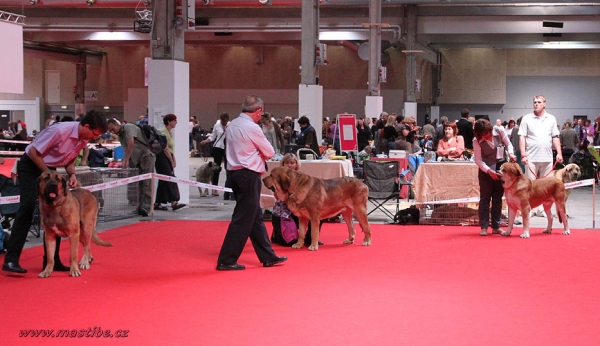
x: 56, y: 146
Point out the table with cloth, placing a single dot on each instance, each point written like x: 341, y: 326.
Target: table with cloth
x: 324, y: 169
x: 436, y: 181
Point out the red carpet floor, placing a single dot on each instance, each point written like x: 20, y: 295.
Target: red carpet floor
x: 421, y: 285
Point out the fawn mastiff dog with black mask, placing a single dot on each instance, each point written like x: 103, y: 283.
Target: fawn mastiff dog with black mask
x: 313, y: 199
x: 568, y: 174
x: 523, y: 194
x: 67, y: 213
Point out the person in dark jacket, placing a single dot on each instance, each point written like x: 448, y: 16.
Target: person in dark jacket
x: 308, y: 136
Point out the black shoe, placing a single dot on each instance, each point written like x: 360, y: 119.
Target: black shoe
x: 143, y: 212
x: 160, y: 207
x: 177, y: 206
x: 274, y: 261
x: 13, y: 267
x: 234, y: 266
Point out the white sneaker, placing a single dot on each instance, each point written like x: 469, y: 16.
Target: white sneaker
x: 518, y: 221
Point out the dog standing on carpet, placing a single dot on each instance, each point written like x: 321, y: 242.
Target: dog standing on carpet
x: 313, y: 199
x: 67, y: 213
x: 568, y: 174
x: 204, y: 175
x: 523, y: 194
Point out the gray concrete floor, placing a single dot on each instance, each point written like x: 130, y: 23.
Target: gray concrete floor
x: 579, y: 208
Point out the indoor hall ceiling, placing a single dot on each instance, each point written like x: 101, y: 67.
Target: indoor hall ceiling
x: 441, y: 24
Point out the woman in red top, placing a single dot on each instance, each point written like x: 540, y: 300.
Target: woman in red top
x: 452, y: 145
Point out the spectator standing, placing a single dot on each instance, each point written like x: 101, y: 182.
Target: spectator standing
x: 363, y: 134
x: 56, y: 146
x: 167, y: 191
x: 273, y: 133
x: 439, y: 132
x: 465, y: 128
x: 568, y: 140
x: 137, y: 154
x: 597, y: 131
x: 286, y: 130
x: 218, y: 137
x: 429, y: 129
x: 587, y: 134
x: 247, y: 151
x: 334, y: 132
x: 308, y: 135
x: 538, y: 132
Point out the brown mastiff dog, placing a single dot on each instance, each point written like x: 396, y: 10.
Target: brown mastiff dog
x: 523, y: 194
x: 313, y: 199
x: 69, y: 214
x: 568, y: 174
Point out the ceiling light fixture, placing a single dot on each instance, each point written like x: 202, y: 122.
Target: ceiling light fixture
x: 549, y: 24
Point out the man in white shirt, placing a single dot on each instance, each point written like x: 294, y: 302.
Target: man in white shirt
x: 247, y: 150
x: 537, y: 134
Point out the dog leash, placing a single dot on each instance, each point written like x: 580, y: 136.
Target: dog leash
x: 536, y: 177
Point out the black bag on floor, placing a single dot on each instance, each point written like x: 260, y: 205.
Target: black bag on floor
x: 408, y: 216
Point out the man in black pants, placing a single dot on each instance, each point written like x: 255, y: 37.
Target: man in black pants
x: 247, y: 150
x: 56, y: 146
x: 465, y: 128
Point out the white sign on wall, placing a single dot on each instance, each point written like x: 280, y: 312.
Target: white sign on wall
x: 91, y: 95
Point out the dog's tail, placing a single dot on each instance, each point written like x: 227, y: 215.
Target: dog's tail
x: 96, y: 239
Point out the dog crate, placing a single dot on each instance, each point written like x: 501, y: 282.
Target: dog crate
x: 114, y: 203
x: 453, y: 214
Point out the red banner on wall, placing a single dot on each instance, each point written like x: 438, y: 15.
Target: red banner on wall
x: 347, y: 128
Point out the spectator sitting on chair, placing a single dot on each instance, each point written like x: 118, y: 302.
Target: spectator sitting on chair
x: 451, y: 145
x: 286, y: 224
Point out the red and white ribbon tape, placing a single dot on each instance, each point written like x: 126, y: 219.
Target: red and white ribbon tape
x: 14, y: 141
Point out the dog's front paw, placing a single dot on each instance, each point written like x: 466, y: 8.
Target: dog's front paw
x: 525, y: 234
x: 45, y: 274
x: 566, y: 232
x: 75, y: 272
x: 84, y: 265
x: 313, y: 247
x: 505, y: 233
x: 297, y: 246
x: 548, y: 230
x: 349, y: 241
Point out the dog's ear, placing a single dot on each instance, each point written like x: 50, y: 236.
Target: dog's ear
x: 64, y: 185
x: 210, y: 164
x: 283, y: 179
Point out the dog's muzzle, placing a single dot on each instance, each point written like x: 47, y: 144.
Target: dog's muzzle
x: 51, y: 192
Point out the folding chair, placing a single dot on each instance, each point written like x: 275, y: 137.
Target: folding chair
x: 382, y: 179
